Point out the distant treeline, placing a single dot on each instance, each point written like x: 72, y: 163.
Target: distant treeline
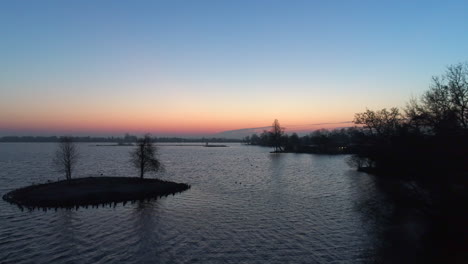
x: 337, y: 141
x: 419, y: 155
x: 56, y: 139
x: 125, y: 139
x: 195, y: 140
x: 425, y: 140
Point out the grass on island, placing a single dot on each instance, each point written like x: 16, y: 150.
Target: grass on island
x: 92, y: 191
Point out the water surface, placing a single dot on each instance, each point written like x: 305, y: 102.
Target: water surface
x: 246, y: 205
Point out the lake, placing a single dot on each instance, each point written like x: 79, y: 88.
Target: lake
x: 246, y: 205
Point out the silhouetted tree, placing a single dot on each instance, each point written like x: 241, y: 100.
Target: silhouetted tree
x: 293, y: 142
x: 338, y: 141
x: 424, y: 153
x: 144, y: 156
x: 381, y: 123
x: 66, y: 156
x: 255, y: 139
x: 430, y: 137
x: 265, y: 139
x: 378, y: 148
x: 276, y: 133
x: 444, y: 107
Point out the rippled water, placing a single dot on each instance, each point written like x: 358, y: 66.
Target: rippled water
x: 245, y: 206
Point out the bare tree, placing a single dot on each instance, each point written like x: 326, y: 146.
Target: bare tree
x: 144, y: 156
x: 66, y: 156
x: 445, y: 105
x: 381, y: 122
x: 276, y: 133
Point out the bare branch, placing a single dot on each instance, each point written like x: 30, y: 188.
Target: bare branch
x: 66, y: 156
x: 144, y: 157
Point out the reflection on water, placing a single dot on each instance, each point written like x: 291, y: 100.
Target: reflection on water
x: 404, y: 231
x: 145, y: 223
x: 64, y: 228
x: 245, y: 205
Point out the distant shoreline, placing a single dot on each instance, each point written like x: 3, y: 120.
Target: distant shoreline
x: 91, y: 191
x: 116, y: 140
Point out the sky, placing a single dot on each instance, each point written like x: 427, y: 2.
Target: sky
x: 188, y: 68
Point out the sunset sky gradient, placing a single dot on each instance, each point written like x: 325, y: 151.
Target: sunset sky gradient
x: 190, y: 68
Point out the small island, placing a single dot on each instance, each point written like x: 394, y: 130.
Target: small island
x: 95, y: 191
x: 92, y: 191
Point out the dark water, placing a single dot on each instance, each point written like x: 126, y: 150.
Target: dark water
x: 245, y: 206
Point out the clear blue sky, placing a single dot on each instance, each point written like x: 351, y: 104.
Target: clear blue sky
x: 207, y: 66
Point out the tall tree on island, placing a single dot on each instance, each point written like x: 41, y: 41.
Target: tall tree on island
x: 275, y: 135
x: 144, y: 157
x: 66, y: 156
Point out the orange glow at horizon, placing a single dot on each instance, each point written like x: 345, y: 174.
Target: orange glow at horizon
x: 171, y: 113
x: 159, y: 125
x: 175, y: 122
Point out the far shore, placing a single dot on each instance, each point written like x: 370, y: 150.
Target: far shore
x: 92, y: 191
x: 165, y: 145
